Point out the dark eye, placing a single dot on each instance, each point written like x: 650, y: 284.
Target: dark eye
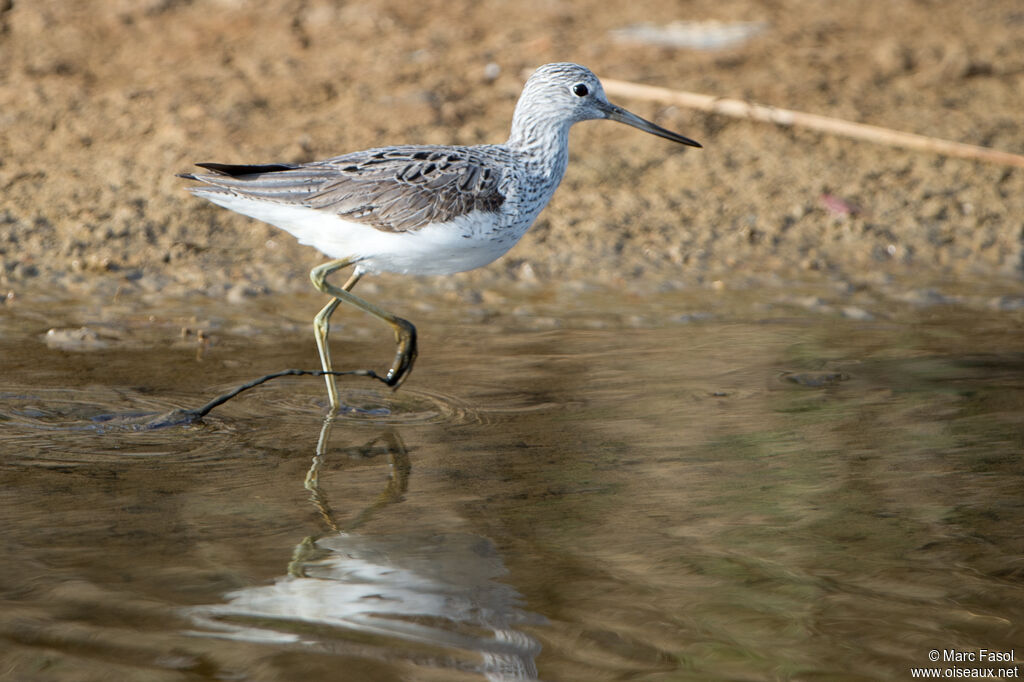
x: 580, y: 90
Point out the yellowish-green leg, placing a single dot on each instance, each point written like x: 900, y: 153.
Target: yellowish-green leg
x: 405, y: 332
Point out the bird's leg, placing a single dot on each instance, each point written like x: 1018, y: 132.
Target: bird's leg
x: 405, y: 332
x: 321, y: 327
x: 321, y: 330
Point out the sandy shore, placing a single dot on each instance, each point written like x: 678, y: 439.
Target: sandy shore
x: 102, y: 103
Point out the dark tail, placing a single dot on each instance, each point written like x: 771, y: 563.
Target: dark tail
x: 249, y: 169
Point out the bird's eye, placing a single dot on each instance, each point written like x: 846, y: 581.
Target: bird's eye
x: 580, y: 90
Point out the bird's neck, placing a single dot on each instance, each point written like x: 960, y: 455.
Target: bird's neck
x: 542, y: 146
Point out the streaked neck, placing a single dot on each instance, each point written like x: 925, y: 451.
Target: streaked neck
x: 541, y: 143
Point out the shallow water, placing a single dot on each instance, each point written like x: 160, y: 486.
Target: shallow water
x: 667, y: 489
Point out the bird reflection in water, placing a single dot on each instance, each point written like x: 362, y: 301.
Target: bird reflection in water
x: 429, y: 598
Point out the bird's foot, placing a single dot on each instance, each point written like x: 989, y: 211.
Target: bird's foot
x: 405, y: 357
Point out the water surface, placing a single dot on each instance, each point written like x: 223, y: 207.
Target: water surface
x: 567, y: 488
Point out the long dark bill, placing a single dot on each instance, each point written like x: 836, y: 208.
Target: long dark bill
x: 622, y: 116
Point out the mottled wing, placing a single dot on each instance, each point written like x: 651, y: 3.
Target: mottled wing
x: 395, y: 189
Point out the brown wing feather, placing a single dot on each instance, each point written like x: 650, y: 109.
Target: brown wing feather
x: 405, y: 188
x: 395, y: 189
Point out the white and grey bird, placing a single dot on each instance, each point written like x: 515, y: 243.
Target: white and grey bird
x: 421, y: 209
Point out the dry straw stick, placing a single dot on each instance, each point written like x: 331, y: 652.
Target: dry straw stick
x: 785, y: 117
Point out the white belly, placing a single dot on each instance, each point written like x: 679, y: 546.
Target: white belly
x: 467, y: 242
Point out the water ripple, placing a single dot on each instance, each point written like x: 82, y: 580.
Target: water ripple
x: 407, y: 406
x: 97, y: 409
x: 63, y: 427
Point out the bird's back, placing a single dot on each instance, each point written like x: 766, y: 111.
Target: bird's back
x: 393, y: 189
